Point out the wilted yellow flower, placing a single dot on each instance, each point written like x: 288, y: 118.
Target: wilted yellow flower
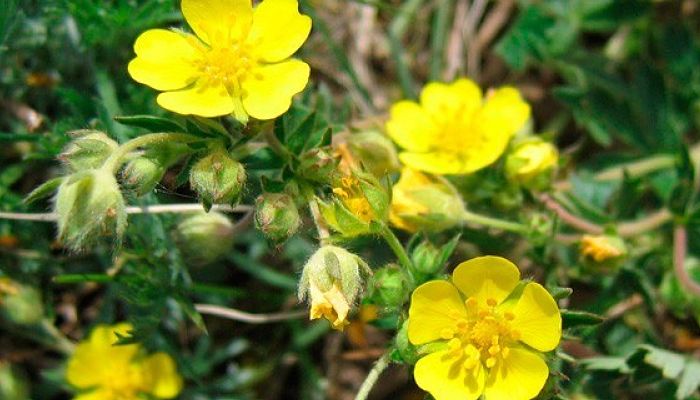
x: 423, y: 201
x: 238, y: 62
x: 483, y: 327
x: 454, y: 130
x: 105, y: 371
x: 351, y: 195
x: 603, y: 252
x: 531, y: 159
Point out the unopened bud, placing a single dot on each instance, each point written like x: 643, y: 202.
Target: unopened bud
x: 421, y: 201
x: 317, y: 165
x: 143, y: 173
x: 375, y: 152
x: 205, y: 237
x: 407, y: 351
x: 531, y: 163
x: 332, y: 280
x: 606, y: 252
x: 277, y: 216
x: 88, y: 150
x: 218, y: 178
x: 388, y: 287
x: 427, y: 259
x: 20, y: 303
x: 89, y: 205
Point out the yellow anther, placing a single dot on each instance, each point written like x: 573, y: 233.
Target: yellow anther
x: 515, y: 335
x: 494, y: 340
x: 491, y: 302
x: 493, y: 350
x: 454, y: 344
x: 490, y: 362
x: 509, y: 315
x: 484, y: 314
x: 471, y: 302
x: 471, y: 362
x: 505, y: 352
x: 462, y: 324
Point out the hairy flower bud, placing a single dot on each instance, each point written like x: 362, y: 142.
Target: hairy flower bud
x: 421, y: 201
x: 332, y: 280
x: 375, y: 152
x: 427, y: 258
x: 143, y: 173
x: 388, y: 287
x: 20, y: 303
x: 204, y: 237
x: 218, y: 178
x: 531, y: 163
x: 277, y: 216
x: 88, y: 150
x: 89, y: 205
x: 317, y: 165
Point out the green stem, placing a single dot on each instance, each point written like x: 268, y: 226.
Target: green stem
x: 115, y: 159
x: 62, y: 343
x: 471, y: 217
x: 399, y: 251
x: 373, y: 376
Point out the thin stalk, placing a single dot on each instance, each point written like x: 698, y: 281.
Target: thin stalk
x: 680, y: 249
x: 242, y: 316
x: 115, y: 159
x: 470, y: 217
x: 62, y: 343
x: 438, y: 37
x: 396, y: 31
x: 399, y: 251
x: 373, y: 376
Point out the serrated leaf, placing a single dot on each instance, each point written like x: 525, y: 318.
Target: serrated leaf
x: 571, y: 318
x: 150, y: 122
x: 46, y: 189
x: 671, y: 364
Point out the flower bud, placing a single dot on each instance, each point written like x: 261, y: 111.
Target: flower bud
x: 388, y: 287
x: 13, y: 385
x: 421, y: 201
x: 218, y: 178
x: 20, y: 303
x: 427, y: 259
x: 143, y: 173
x: 606, y: 252
x: 317, y: 165
x: 276, y: 216
x: 407, y: 351
x: 360, y: 200
x: 531, y: 163
x: 375, y: 152
x: 89, y: 204
x: 204, y: 237
x: 88, y: 150
x: 332, y: 280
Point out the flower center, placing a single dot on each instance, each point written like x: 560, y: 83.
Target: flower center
x: 484, y: 336
x: 122, y: 384
x: 354, y: 199
x: 227, y: 66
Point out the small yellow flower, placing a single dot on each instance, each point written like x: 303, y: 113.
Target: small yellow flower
x: 104, y: 371
x: 603, y: 250
x: 423, y: 201
x: 351, y: 195
x: 491, y: 339
x: 531, y: 159
x: 453, y: 130
x: 330, y: 304
x: 238, y: 62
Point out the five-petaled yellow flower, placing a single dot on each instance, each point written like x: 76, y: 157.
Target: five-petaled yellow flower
x: 238, y: 62
x: 104, y: 371
x: 454, y: 130
x: 492, y: 336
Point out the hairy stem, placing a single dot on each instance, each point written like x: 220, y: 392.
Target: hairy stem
x: 115, y: 159
x: 680, y: 248
x: 470, y: 217
x: 373, y: 376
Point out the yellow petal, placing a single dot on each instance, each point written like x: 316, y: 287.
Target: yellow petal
x: 537, y: 318
x: 209, y: 101
x: 439, y: 163
x: 278, y: 29
x: 96, y: 358
x: 435, y: 309
x: 217, y: 22
x: 487, y: 277
x: 520, y: 376
x: 411, y: 127
x: 446, y: 378
x: 160, y: 376
x: 447, y: 101
x: 164, y: 59
x: 269, y: 88
x: 97, y: 394
x: 505, y: 112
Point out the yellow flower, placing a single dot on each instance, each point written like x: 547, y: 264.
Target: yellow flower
x: 238, y: 62
x: 423, y: 201
x: 600, y: 248
x: 103, y: 371
x: 351, y: 195
x: 453, y: 130
x: 531, y: 159
x: 330, y: 304
x: 491, y: 338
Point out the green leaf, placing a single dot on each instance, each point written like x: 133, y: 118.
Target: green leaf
x: 571, y: 318
x: 671, y: 364
x: 150, y: 122
x: 46, y: 189
x: 606, y: 364
x: 690, y: 380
